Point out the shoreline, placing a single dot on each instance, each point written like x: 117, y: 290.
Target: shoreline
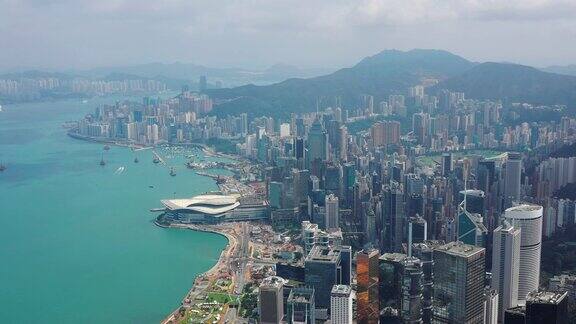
x: 230, y: 246
x: 228, y: 233
x: 207, y: 150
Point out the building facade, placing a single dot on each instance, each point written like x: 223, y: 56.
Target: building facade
x: 341, y: 304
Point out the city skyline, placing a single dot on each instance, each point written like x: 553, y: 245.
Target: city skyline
x: 374, y: 161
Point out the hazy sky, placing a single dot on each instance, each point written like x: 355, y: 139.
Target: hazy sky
x: 255, y: 33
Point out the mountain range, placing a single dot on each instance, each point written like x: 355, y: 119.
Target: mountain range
x: 393, y: 72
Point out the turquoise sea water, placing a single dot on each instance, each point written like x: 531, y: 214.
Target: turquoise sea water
x: 77, y: 242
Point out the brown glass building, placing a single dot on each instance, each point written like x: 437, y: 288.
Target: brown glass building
x: 367, y: 286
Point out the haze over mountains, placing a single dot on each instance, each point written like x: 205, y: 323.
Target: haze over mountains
x: 177, y: 74
x: 282, y: 89
x: 393, y: 72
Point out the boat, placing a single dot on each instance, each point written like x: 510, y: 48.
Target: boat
x: 156, y: 160
x: 102, y: 162
x: 0, y: 108
x: 2, y: 167
x: 150, y: 186
x: 135, y: 160
x: 172, y: 172
x: 106, y: 147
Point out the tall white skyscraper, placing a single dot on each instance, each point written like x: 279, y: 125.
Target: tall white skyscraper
x: 332, y: 210
x: 506, y: 265
x: 528, y: 218
x: 341, y: 304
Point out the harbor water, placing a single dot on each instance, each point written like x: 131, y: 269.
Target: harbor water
x: 77, y: 239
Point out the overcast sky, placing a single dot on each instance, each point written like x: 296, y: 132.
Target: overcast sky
x: 256, y: 33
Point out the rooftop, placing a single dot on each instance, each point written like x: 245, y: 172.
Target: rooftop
x: 473, y: 192
x: 209, y: 203
x: 524, y: 211
x: 341, y: 290
x: 272, y: 281
x: 301, y: 295
x: 460, y: 249
x: 394, y: 257
x: 323, y: 254
x: 546, y: 297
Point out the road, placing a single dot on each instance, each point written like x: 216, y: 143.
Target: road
x: 243, y: 258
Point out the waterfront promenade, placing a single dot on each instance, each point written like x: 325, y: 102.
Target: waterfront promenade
x: 234, y: 232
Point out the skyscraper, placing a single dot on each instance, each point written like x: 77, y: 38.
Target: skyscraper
x: 401, y: 280
x: 393, y: 218
x: 547, y: 307
x: 459, y: 283
x: 528, y: 218
x: 475, y: 200
x: 471, y: 229
x: 270, y: 300
x: 367, y: 283
x: 512, y: 179
x: 341, y: 304
x: 418, y: 228
x: 300, y: 306
x: 491, y: 307
x: 317, y: 142
x: 332, y: 209
x: 322, y: 267
x: 506, y: 265
x: 446, y: 164
x: 420, y: 126
x: 411, y: 305
x: 424, y: 252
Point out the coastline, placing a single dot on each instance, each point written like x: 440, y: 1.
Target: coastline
x: 208, y: 151
x: 227, y: 231
x: 228, y: 249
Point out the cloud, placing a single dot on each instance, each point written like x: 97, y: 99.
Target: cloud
x: 87, y: 32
